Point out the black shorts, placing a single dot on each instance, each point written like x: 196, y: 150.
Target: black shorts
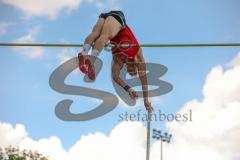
x: 118, y: 15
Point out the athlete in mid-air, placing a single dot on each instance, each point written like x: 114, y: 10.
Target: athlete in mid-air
x: 112, y: 27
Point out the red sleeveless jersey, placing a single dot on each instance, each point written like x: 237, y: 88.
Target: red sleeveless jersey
x: 125, y: 43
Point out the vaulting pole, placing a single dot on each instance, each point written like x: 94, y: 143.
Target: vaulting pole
x: 148, y: 136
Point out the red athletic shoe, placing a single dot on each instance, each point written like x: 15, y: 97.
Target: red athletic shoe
x: 82, y: 66
x: 91, y: 70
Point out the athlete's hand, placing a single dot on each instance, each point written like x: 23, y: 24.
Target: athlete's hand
x: 132, y: 93
x: 148, y: 105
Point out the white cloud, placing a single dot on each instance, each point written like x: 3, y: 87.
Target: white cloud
x: 51, y: 147
x: 11, y: 136
x: 215, y: 130
x: 4, y: 26
x: 50, y: 8
x: 30, y: 52
x: 126, y: 141
x: 235, y: 61
x: 213, y: 134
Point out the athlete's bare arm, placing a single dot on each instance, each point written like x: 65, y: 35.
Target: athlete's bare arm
x: 117, y: 66
x: 141, y: 66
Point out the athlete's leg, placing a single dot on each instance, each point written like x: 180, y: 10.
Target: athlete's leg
x: 89, y: 42
x: 110, y: 29
x: 96, y: 31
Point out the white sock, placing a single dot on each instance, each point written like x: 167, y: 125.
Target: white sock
x: 86, y: 48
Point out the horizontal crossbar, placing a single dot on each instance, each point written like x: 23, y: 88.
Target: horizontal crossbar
x: 142, y: 45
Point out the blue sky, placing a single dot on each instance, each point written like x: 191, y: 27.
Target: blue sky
x: 26, y: 97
